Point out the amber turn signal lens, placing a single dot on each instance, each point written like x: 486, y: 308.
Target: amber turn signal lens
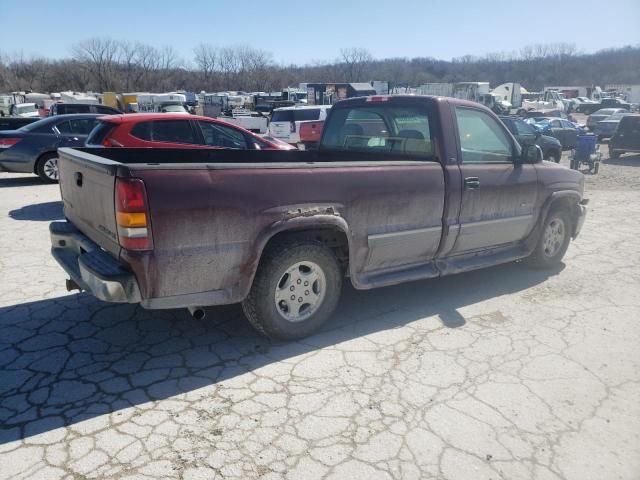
x: 125, y: 219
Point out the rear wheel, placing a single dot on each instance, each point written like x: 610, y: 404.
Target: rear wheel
x: 47, y: 168
x: 295, y: 290
x: 554, y: 240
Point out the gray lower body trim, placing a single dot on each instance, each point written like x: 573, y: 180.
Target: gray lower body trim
x: 405, y: 246
x: 488, y: 233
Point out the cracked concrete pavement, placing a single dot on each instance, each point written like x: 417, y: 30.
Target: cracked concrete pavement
x: 505, y: 373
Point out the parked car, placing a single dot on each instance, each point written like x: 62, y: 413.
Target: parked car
x: 29, y: 110
x: 401, y: 188
x: 565, y: 131
x: 615, y: 103
x: 33, y: 148
x: 13, y: 123
x: 605, y: 103
x: 285, y: 121
x: 601, y: 114
x: 585, y: 104
x: 527, y: 135
x: 605, y: 128
x: 175, y: 130
x: 626, y: 137
x: 68, y: 108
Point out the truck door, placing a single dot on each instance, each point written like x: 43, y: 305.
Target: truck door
x: 499, y: 195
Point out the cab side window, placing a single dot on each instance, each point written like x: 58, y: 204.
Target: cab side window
x: 482, y: 139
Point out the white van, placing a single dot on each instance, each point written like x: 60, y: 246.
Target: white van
x: 285, y: 121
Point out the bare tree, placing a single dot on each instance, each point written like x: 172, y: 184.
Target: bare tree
x: 100, y: 55
x: 355, y: 61
x: 206, y: 59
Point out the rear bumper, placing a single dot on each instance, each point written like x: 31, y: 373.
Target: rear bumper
x: 90, y: 267
x: 580, y: 217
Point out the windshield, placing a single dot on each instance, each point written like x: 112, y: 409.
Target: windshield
x: 300, y: 115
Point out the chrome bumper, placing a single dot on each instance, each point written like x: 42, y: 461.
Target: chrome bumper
x: 91, y: 268
x: 581, y: 215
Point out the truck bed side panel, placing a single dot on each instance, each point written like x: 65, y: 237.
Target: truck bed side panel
x: 208, y: 223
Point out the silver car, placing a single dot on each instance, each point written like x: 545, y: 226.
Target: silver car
x: 601, y: 114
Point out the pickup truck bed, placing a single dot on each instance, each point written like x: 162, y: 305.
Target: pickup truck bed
x: 220, y: 225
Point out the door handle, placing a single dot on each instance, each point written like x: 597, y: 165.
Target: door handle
x: 471, y: 183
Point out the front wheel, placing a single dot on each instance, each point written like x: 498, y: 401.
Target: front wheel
x: 47, y: 168
x: 554, y: 240
x: 295, y: 290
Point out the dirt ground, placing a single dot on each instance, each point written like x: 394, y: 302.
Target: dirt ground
x: 505, y: 373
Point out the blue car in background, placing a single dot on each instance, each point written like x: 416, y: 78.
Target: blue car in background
x: 34, y: 147
x: 564, y: 130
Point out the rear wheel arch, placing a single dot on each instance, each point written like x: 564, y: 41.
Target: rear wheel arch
x: 329, y: 230
x: 333, y: 234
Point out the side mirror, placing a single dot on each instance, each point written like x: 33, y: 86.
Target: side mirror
x: 531, y: 154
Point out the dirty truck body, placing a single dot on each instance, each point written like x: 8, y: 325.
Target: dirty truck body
x: 400, y: 189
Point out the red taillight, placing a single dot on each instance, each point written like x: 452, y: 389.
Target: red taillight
x: 132, y: 214
x: 9, y: 142
x: 292, y: 127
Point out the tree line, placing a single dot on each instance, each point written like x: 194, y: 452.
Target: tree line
x: 105, y: 64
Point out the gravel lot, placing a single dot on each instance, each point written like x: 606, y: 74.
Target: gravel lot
x: 503, y: 373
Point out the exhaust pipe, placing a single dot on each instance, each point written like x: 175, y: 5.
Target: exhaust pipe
x: 197, y: 312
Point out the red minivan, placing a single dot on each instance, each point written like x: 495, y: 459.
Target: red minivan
x: 167, y: 130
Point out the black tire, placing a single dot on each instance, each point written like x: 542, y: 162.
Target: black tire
x: 43, y: 168
x: 543, y: 256
x: 596, y: 167
x: 615, y: 154
x: 261, y: 308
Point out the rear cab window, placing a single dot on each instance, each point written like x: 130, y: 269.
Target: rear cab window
x: 398, y: 130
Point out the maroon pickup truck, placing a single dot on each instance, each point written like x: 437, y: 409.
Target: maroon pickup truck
x: 401, y: 188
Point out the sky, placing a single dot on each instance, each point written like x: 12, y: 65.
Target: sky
x: 304, y: 32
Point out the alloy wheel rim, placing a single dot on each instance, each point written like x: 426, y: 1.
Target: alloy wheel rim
x: 50, y: 168
x: 300, y: 291
x: 554, y: 236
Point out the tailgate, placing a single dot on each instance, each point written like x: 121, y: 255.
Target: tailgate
x: 87, y: 184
